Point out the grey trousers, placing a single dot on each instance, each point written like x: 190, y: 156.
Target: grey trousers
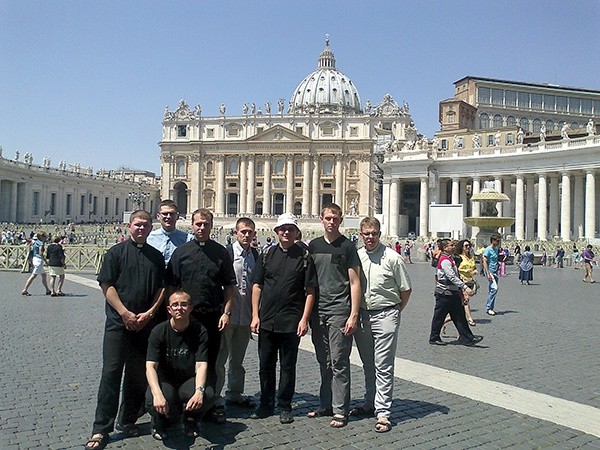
x: 376, y: 340
x: 333, y: 349
x: 234, y: 342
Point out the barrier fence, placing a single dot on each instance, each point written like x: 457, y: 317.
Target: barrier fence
x: 78, y: 258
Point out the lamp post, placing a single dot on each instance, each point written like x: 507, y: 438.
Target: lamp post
x: 138, y: 197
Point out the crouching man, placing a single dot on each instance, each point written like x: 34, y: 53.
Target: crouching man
x: 176, y: 368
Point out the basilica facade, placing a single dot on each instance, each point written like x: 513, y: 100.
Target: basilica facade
x: 320, y: 147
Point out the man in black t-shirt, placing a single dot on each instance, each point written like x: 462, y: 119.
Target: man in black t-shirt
x: 203, y: 269
x: 283, y: 294
x: 176, y: 367
x: 132, y: 281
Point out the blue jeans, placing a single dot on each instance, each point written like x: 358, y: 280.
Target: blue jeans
x: 491, y: 300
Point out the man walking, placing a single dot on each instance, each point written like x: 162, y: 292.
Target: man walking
x: 490, y: 268
x: 336, y: 318
x: 284, y: 284
x: 203, y: 269
x: 235, y: 338
x: 132, y: 281
x: 386, y: 289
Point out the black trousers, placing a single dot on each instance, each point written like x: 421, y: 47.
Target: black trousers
x: 177, y: 396
x: 271, y: 345
x: 449, y: 304
x: 122, y: 349
x: 210, y: 321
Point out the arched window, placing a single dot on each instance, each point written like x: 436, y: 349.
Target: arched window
x: 209, y: 168
x: 497, y: 121
x: 352, y: 167
x: 549, y: 125
x: 279, y: 167
x: 484, y: 121
x: 298, y: 168
x: 511, y: 121
x: 180, y: 167
x: 233, y: 167
x: 537, y: 125
x: 524, y: 123
x: 258, y: 208
x: 327, y: 167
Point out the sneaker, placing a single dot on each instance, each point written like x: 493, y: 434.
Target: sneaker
x: 490, y: 312
x: 286, y: 417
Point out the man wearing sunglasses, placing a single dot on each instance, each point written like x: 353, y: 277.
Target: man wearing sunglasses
x: 167, y: 238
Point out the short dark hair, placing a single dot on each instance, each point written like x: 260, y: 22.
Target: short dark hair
x: 203, y: 212
x: 495, y: 237
x: 246, y: 221
x: 169, y: 203
x: 332, y: 207
x: 140, y: 214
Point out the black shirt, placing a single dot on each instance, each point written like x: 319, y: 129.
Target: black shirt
x: 137, y: 272
x: 202, y: 269
x: 284, y: 275
x: 177, y: 353
x: 55, y: 255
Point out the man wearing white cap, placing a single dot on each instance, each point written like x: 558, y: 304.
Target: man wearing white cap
x: 283, y: 294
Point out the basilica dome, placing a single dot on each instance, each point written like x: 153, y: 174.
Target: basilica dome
x: 326, y: 90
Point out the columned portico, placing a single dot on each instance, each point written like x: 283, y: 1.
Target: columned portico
x: 554, y: 205
x: 578, y: 205
x: 529, y: 207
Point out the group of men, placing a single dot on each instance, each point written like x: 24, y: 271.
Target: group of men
x: 216, y: 296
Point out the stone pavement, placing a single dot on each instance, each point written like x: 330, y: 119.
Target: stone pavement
x: 544, y: 339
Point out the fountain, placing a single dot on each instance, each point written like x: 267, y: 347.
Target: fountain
x: 488, y: 221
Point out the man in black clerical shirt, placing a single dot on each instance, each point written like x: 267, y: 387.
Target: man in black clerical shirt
x: 283, y: 294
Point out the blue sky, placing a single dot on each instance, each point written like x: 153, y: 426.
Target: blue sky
x: 87, y: 81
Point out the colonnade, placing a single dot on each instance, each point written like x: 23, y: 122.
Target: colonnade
x: 544, y: 204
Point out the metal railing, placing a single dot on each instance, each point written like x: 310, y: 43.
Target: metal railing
x: 78, y: 258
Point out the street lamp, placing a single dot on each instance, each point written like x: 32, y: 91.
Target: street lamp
x: 138, y: 197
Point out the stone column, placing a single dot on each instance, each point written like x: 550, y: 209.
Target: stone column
x: 220, y: 194
x: 243, y: 185
x: 498, y: 186
x: 542, y: 208
x: 529, y: 207
x: 165, y: 169
x: 565, y: 208
x: 315, y: 203
x: 289, y: 185
x: 590, y: 204
x: 554, y: 205
x: 250, y: 201
x: 424, y: 208
x: 267, y: 186
x: 394, y: 207
x: 455, y: 191
x: 339, y: 182
x: 519, y: 210
x: 306, y: 185
x: 12, y: 210
x: 578, y: 201
x: 195, y: 186
x: 475, y: 207
x: 385, y: 204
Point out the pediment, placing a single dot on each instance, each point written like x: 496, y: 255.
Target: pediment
x: 278, y: 134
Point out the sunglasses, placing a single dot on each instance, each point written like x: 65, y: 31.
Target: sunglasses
x: 289, y: 229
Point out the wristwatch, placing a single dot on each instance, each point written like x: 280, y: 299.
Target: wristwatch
x: 200, y: 389
x: 227, y: 313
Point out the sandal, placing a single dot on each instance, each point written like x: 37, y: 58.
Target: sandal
x: 27, y: 294
x: 338, y: 421
x: 471, y: 322
x: 60, y: 294
x: 362, y: 411
x: 383, y: 425
x: 97, y: 442
x: 321, y: 412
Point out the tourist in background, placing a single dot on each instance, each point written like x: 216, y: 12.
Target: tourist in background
x: 588, y: 258
x: 37, y: 261
x: 526, y: 266
x: 55, y: 255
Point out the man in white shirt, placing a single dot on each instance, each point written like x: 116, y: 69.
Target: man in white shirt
x: 167, y: 238
x: 386, y: 289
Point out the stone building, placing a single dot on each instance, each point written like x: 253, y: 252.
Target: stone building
x: 264, y: 160
x: 536, y: 142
